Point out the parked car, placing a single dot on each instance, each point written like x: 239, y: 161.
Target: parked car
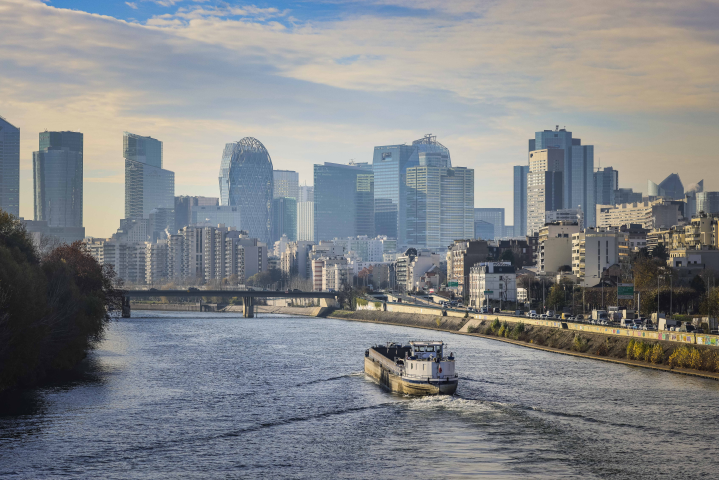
x: 518, y: 312
x: 580, y: 317
x: 496, y: 310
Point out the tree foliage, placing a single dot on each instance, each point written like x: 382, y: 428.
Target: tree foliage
x: 53, y: 308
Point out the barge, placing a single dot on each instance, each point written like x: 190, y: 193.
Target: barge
x: 420, y: 368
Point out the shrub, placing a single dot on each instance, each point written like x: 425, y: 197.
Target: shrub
x: 657, y: 355
x: 639, y: 348
x: 494, y: 326
x: 680, y: 357
x: 630, y: 349
x: 603, y: 348
x: 695, y: 359
x: 506, y: 328
x: 362, y: 302
x: 438, y: 321
x: 517, y: 331
x: 580, y: 344
x: 377, y: 305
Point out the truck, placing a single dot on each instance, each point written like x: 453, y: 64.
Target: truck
x: 599, y: 315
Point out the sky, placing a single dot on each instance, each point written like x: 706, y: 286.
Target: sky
x: 327, y: 81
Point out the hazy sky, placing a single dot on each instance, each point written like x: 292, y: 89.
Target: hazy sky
x: 327, y: 81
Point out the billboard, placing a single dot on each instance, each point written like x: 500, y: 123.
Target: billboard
x: 625, y: 291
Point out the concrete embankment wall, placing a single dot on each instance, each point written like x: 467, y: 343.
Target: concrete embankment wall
x: 538, y: 334
x: 166, y: 307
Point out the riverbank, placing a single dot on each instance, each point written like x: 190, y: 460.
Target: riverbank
x: 566, y: 342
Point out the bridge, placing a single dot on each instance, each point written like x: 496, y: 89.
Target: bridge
x: 248, y: 296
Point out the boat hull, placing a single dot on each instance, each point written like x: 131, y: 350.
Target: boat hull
x: 395, y: 383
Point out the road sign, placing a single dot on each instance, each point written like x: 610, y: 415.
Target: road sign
x: 625, y: 291
x: 453, y: 284
x: 488, y: 292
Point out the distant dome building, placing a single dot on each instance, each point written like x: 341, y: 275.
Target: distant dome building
x: 246, y: 182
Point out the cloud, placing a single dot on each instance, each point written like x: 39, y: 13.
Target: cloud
x: 132, y: 5
x: 638, y: 79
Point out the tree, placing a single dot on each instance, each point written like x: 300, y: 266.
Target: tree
x: 698, y: 285
x: 645, y: 272
x: 660, y: 252
x: 556, y: 297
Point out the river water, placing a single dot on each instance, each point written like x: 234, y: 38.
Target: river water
x: 194, y: 395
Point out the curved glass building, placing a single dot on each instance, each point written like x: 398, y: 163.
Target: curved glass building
x: 246, y: 181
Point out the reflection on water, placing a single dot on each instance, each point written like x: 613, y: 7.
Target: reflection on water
x: 214, y: 395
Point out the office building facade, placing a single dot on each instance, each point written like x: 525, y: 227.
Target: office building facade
x: 9, y: 168
x: 184, y: 205
x: 286, y: 184
x: 578, y: 169
x: 246, y: 181
x: 57, y: 179
x: 544, y: 186
x: 606, y: 183
x: 306, y: 221
x: 147, y: 185
x: 284, y: 218
x: 707, y: 202
x: 495, y: 216
x: 520, y: 200
x: 344, y: 200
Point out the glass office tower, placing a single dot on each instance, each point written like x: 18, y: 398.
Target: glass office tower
x: 606, y: 183
x: 284, y: 218
x: 57, y: 179
x: 456, y: 205
x: 246, y: 181
x: 147, y: 185
x: 390, y: 164
x: 520, y: 199
x: 495, y: 216
x: 344, y: 201
x: 286, y: 183
x: 578, y: 171
x: 9, y: 168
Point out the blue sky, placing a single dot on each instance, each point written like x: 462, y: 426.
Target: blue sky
x: 327, y: 81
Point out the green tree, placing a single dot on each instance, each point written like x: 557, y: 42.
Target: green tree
x: 556, y: 297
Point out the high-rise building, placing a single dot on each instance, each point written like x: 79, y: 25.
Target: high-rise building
x: 184, y: 205
x: 246, y: 182
x: 214, y: 215
x: 147, y: 185
x: 9, y: 168
x: 495, y: 216
x: 578, y: 169
x: 307, y: 194
x: 544, y: 186
x: 306, y: 221
x: 626, y: 195
x: 606, y: 183
x: 57, y: 179
x: 286, y: 184
x: 707, y: 202
x: 520, y: 199
x: 456, y: 205
x: 284, y: 218
x: 344, y: 200
x: 390, y: 164
x: 423, y: 206
x: 690, y: 198
x: 483, y: 230
x: 671, y: 187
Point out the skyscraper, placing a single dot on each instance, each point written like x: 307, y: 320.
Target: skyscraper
x: 520, y: 199
x: 495, y: 216
x: 606, y: 183
x: 671, y: 187
x: 456, y: 205
x: 307, y: 194
x: 544, y: 186
x: 707, y: 202
x: 184, y: 205
x: 9, y: 168
x: 578, y: 169
x: 284, y: 218
x: 57, y: 179
x: 147, y: 185
x: 286, y: 183
x: 306, y: 214
x: 390, y: 164
x: 246, y: 181
x: 344, y: 200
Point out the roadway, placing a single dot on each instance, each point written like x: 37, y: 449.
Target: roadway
x: 225, y: 293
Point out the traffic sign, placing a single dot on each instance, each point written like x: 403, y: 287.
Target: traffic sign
x: 488, y: 292
x: 625, y: 291
x: 452, y: 284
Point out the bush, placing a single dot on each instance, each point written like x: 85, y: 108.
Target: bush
x: 377, y: 305
x: 657, y: 355
x: 494, y: 326
x: 517, y: 331
x: 603, y: 348
x: 639, y: 348
x: 695, y: 359
x: 630, y: 349
x: 362, y: 302
x: 580, y: 344
x: 680, y: 357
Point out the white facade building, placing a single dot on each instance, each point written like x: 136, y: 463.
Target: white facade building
x: 492, y: 281
x: 595, y: 250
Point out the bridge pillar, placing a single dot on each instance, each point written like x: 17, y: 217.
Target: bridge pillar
x: 126, y: 311
x: 329, y: 303
x: 248, y: 307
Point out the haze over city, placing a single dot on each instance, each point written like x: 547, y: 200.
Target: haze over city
x: 320, y: 82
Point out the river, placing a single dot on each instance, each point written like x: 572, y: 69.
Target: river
x: 202, y: 395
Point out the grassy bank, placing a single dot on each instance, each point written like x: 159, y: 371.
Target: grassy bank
x: 661, y: 355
